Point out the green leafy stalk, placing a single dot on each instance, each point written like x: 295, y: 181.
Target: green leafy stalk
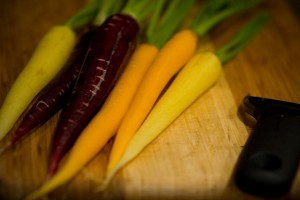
x: 169, y: 12
x: 155, y: 16
x: 172, y: 21
x: 208, y: 9
x: 84, y: 15
x: 240, y: 40
x: 138, y: 9
x: 159, y: 32
x: 214, y: 11
x: 108, y: 7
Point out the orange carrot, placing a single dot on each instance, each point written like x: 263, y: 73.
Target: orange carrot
x: 174, y: 54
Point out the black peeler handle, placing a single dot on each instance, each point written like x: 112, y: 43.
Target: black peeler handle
x: 269, y: 160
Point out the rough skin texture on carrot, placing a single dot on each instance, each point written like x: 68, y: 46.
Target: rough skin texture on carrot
x: 104, y: 125
x: 111, y: 46
x: 46, y: 61
x: 173, y: 55
x: 201, y: 72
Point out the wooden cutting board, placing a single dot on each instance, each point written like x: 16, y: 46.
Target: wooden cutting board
x: 195, y: 156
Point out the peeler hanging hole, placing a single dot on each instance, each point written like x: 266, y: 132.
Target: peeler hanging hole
x: 266, y: 161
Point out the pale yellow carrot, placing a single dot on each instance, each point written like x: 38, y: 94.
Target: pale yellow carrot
x: 194, y: 79
x: 171, y: 58
x: 48, y: 58
x: 105, y: 124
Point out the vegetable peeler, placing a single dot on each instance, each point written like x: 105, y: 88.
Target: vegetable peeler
x: 269, y: 160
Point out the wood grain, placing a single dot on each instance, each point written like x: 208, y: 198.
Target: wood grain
x: 193, y: 158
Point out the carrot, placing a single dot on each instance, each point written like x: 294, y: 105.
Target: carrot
x: 171, y: 58
x: 53, y: 96
x: 174, y: 54
x: 110, y: 49
x: 104, y: 124
x: 199, y: 74
x: 48, y: 58
x: 112, y: 43
x: 41, y: 68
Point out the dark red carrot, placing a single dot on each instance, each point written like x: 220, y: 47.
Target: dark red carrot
x: 52, y: 98
x: 113, y: 42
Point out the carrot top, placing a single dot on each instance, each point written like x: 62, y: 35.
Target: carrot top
x: 239, y: 41
x: 84, y: 15
x: 214, y: 11
x: 107, y: 8
x: 138, y: 9
x: 162, y: 26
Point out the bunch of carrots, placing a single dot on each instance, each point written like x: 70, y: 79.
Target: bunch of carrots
x: 113, y: 79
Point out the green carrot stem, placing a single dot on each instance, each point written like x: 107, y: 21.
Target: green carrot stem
x: 173, y: 20
x: 156, y: 15
x: 83, y: 16
x: 144, y: 12
x: 159, y: 32
x: 107, y: 8
x: 170, y: 11
x: 138, y: 9
x: 208, y: 9
x: 239, y: 41
x: 130, y: 4
x: 211, y: 14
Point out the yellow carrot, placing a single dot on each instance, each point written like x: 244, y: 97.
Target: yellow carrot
x: 48, y: 58
x: 195, y: 78
x: 104, y: 125
x: 173, y: 55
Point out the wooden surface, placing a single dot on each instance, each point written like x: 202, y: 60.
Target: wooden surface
x: 192, y: 159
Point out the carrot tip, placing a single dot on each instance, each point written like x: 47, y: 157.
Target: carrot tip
x: 102, y: 186
x: 106, y: 181
x: 92, y: 177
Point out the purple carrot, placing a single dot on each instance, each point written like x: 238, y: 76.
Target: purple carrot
x: 53, y: 96
x: 113, y: 43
